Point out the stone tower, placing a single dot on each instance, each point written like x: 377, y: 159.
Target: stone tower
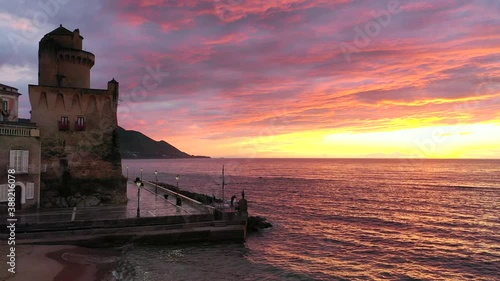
x: 62, y: 62
x: 78, y: 124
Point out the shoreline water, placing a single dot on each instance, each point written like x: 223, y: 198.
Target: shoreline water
x: 339, y: 219
x: 45, y: 262
x: 357, y: 222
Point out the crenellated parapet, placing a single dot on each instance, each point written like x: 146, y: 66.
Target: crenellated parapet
x: 62, y: 61
x: 79, y: 102
x: 76, y: 57
x: 50, y: 104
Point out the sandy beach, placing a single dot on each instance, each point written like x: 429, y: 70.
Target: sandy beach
x: 46, y: 263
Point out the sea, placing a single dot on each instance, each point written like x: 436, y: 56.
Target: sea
x: 336, y: 219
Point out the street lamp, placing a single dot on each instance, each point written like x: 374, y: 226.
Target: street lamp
x: 178, y: 200
x: 127, y: 172
x: 156, y: 183
x: 141, y: 174
x: 138, y: 182
x: 223, y: 183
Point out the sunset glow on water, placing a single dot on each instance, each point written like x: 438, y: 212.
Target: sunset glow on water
x: 341, y: 219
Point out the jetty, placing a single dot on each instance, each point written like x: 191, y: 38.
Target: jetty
x: 152, y: 215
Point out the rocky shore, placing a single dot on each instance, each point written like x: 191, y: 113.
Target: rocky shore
x: 257, y: 223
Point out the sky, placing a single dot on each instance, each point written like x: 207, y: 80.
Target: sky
x: 284, y: 78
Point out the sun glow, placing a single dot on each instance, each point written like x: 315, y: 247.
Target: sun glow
x: 450, y: 141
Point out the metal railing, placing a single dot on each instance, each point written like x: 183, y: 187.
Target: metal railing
x: 196, y: 204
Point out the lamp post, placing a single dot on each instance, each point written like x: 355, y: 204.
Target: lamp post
x: 141, y: 174
x: 156, y: 183
x: 223, y: 183
x: 177, y: 199
x: 138, y: 182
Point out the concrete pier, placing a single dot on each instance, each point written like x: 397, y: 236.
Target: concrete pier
x: 160, y: 221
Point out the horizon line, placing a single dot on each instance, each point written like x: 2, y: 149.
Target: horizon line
x: 338, y: 158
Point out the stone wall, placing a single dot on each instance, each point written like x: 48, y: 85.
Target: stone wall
x: 89, y: 155
x: 68, y: 191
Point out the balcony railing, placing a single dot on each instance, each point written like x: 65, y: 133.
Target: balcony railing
x: 18, y: 131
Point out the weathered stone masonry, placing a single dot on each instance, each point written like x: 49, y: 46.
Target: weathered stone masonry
x: 77, y: 126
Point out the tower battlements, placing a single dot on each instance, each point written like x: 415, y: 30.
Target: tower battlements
x: 62, y: 62
x: 76, y: 57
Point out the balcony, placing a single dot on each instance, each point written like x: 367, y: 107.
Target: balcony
x: 18, y: 129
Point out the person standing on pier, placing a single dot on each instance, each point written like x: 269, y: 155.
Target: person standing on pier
x: 242, y: 205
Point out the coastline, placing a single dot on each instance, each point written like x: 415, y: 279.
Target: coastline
x: 45, y: 262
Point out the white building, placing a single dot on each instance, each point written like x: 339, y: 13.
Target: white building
x: 20, y: 151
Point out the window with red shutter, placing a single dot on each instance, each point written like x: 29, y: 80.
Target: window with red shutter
x: 64, y: 123
x: 80, y: 123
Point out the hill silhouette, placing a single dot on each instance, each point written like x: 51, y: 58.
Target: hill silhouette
x: 136, y: 145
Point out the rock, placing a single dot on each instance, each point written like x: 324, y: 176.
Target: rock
x: 64, y: 203
x: 60, y: 202
x: 72, y: 201
x: 106, y: 198
x: 91, y: 201
x: 254, y: 224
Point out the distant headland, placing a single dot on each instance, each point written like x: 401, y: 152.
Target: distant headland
x: 136, y: 145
